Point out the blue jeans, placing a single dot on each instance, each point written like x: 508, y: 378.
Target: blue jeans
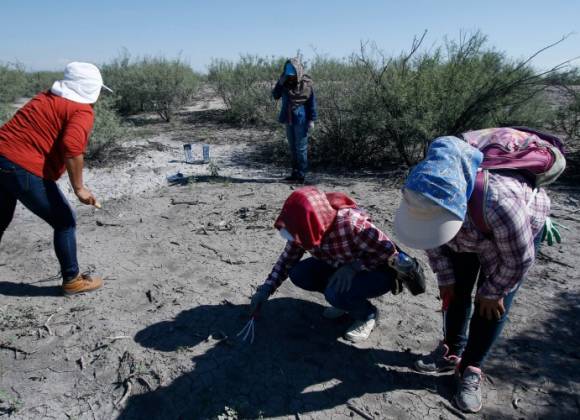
x: 43, y: 198
x: 313, y: 275
x: 473, y: 347
x: 297, y: 135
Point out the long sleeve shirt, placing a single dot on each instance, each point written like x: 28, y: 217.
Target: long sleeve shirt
x: 508, y: 253
x: 300, y: 115
x: 351, y: 238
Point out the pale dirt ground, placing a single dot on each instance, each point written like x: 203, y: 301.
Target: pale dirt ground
x: 162, y: 331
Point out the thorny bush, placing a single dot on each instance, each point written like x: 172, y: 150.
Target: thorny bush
x: 379, y: 111
x: 152, y: 84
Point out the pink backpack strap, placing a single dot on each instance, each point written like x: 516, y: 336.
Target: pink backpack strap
x: 476, y: 203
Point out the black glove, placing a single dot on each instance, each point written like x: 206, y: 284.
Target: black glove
x: 410, y: 274
x: 262, y: 294
x: 414, y: 280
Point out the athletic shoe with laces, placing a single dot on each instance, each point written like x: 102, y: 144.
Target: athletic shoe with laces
x: 82, y: 283
x: 360, y: 330
x: 333, y: 313
x: 468, y: 396
x: 439, y: 360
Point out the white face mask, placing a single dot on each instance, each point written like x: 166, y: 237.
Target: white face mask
x: 286, y: 235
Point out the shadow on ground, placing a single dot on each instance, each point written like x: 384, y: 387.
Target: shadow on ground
x: 546, y: 356
x: 28, y: 290
x: 295, y: 365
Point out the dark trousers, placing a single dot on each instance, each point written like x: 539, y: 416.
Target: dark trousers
x: 43, y: 198
x: 474, y: 345
x: 313, y: 275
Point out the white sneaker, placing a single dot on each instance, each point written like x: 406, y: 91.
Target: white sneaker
x: 333, y: 313
x: 360, y: 330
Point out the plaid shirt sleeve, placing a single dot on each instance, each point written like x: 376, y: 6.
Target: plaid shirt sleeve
x: 289, y: 257
x: 441, y: 265
x: 506, y: 263
x: 374, y: 246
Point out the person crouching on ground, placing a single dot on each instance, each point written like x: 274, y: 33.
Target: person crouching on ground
x: 433, y: 216
x: 352, y: 260
x: 47, y: 135
x: 298, y: 113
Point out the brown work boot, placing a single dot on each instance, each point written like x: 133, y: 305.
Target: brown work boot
x: 83, y: 283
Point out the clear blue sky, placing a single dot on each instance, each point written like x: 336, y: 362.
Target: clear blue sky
x: 47, y: 34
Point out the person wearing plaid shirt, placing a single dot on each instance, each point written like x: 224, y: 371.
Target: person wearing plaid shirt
x: 433, y: 216
x: 351, y: 259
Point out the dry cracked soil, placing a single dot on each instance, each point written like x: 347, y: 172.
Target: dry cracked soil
x: 180, y: 263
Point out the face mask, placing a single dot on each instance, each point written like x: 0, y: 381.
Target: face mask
x: 286, y: 235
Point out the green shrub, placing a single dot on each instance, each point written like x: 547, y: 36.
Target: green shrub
x: 40, y: 81
x: 568, y: 77
x: 12, y: 82
x: 567, y: 119
x: 245, y: 87
x: 377, y: 110
x: 6, y: 112
x: 107, y: 130
x: 152, y: 84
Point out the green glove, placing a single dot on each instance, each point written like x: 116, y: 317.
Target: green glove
x: 551, y: 232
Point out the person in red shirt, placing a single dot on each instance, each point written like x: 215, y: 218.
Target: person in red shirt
x: 45, y: 137
x: 352, y: 260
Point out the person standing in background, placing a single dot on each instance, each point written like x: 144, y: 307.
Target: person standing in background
x: 298, y: 113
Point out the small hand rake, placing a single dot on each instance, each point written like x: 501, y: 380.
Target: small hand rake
x: 248, y: 331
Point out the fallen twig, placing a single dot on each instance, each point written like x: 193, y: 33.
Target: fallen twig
x: 126, y: 394
x: 189, y: 203
x: 227, y: 260
x: 552, y: 259
x: 99, y: 223
x: 359, y: 412
x: 8, y: 346
x: 147, y: 384
x: 46, y: 323
x: 574, y: 219
x: 118, y: 337
x: 453, y: 410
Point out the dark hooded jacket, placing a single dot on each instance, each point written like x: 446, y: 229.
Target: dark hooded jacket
x: 298, y: 104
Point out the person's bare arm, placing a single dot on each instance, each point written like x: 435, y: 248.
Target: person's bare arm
x: 74, y: 167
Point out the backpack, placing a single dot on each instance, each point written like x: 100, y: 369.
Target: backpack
x: 537, y: 155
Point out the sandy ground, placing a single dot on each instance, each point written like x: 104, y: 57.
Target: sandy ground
x: 180, y: 262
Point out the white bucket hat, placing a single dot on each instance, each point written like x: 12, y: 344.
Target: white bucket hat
x: 422, y: 224
x: 82, y: 83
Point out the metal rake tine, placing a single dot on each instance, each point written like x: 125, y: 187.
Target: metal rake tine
x: 250, y: 331
x: 246, y: 330
x: 243, y: 330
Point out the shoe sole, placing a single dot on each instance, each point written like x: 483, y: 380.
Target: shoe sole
x: 65, y: 293
x: 465, y: 410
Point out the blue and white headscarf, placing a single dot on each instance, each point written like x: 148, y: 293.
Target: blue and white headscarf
x: 447, y: 174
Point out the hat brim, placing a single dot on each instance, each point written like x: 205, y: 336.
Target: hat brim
x: 425, y: 233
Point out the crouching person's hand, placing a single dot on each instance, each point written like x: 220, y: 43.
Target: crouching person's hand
x: 262, y: 294
x: 410, y: 273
